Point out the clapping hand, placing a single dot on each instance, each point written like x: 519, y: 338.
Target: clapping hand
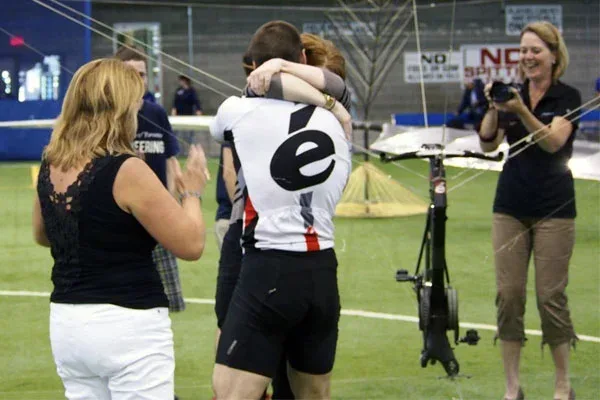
x: 193, y: 178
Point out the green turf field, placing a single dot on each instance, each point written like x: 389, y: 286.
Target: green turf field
x: 377, y: 358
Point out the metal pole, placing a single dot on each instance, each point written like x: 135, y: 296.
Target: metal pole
x: 190, y: 40
x: 366, y: 144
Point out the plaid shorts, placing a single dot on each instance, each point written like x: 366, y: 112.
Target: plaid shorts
x: 166, y: 264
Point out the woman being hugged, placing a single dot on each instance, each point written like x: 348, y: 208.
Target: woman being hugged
x: 101, y: 210
x: 534, y: 208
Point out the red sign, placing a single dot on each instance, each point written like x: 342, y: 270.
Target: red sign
x: 16, y: 41
x: 491, y: 62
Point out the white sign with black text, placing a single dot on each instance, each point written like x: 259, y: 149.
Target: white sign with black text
x: 519, y: 16
x: 440, y: 66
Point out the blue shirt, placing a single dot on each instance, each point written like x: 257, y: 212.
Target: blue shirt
x: 223, y: 200
x: 149, y: 96
x: 155, y: 139
x: 186, y: 101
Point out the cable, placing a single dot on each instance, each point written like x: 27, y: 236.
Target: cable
x: 162, y: 129
x: 531, y: 135
x: 422, y: 83
x: 33, y: 49
x: 450, y: 51
x: 165, y: 3
x: 149, y: 47
x: 125, y: 44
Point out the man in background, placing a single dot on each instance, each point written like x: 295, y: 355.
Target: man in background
x: 156, y: 144
x: 186, y: 102
x: 472, y: 107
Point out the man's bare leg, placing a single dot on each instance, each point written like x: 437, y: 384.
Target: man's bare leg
x: 309, y: 386
x: 233, y: 384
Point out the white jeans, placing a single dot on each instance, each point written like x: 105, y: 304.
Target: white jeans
x: 103, y: 351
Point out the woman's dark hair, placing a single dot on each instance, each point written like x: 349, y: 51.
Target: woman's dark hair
x: 184, y: 78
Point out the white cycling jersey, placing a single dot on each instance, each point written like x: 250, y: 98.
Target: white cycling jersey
x: 295, y: 162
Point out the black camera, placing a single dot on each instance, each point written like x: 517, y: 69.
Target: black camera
x: 500, y: 92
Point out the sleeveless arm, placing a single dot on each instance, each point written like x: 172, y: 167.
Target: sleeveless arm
x: 179, y: 228
x: 39, y: 230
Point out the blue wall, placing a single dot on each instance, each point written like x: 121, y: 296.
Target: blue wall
x: 50, y: 34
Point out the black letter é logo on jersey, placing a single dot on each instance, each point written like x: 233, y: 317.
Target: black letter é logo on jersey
x: 286, y: 163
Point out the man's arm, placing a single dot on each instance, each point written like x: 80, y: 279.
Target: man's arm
x: 229, y: 175
x: 174, y: 106
x: 197, y: 105
x: 464, y: 103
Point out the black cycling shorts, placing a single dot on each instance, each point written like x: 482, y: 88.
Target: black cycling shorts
x: 230, y: 263
x: 285, y: 304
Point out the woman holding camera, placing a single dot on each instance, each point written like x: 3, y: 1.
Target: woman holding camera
x: 534, y: 208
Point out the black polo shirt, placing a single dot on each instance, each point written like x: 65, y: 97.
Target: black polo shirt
x: 536, y: 183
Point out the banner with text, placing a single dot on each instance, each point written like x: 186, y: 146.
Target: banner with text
x: 491, y: 62
x: 438, y: 66
x: 519, y: 16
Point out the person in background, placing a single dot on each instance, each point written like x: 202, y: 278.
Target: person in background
x: 186, y: 100
x: 101, y: 211
x: 156, y: 144
x: 472, y: 106
x: 534, y: 208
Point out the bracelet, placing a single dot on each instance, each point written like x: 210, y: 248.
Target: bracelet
x: 329, y: 102
x: 188, y: 193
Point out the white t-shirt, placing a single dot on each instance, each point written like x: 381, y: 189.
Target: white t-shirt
x: 295, y: 162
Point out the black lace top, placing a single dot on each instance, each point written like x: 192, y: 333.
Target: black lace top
x: 101, y: 253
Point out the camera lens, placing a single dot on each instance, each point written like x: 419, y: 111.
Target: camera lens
x: 500, y: 92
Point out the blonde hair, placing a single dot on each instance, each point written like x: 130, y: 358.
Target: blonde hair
x: 98, y: 116
x: 323, y: 53
x: 551, y: 36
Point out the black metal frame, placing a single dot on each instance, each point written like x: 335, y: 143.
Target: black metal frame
x: 438, y: 301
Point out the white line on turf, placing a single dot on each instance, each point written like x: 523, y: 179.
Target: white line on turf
x: 352, y: 313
